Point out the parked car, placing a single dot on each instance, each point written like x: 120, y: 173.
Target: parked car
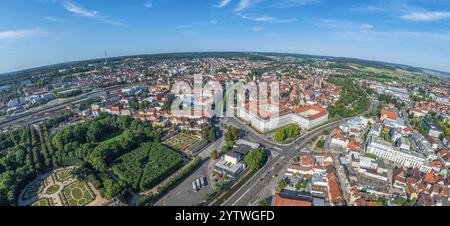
x: 203, y: 181
x: 199, y: 185
x: 194, y: 186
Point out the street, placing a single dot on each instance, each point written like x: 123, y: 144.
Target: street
x: 183, y: 194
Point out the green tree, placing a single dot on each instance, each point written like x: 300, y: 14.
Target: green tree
x: 281, y: 184
x: 254, y: 159
x: 209, y: 133
x: 264, y: 202
x: 447, y: 131
x: 320, y: 144
x: 214, y: 155
x: 279, y: 136
x: 111, y: 188
x: 226, y: 148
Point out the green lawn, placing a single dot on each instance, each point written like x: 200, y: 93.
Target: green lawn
x: 52, y: 189
x: 78, y: 194
x: 42, y: 202
x: 63, y: 175
x: 183, y: 141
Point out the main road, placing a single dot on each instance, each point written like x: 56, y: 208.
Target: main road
x: 182, y: 194
x: 248, y: 193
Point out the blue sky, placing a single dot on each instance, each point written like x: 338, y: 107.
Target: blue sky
x: 41, y: 32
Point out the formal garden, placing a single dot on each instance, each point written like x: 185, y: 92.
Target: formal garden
x: 77, y: 194
x: 59, y: 188
x: 43, y: 202
x: 63, y: 175
x: 184, y: 141
x: 113, y: 155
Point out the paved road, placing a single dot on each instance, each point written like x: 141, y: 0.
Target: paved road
x: 183, y: 194
x: 248, y: 193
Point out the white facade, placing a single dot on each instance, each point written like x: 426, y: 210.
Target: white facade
x: 265, y: 125
x: 309, y: 124
x: 285, y: 119
x: 231, y: 159
x: 339, y: 142
x: 386, y: 151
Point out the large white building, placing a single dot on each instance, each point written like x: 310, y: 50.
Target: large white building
x: 265, y: 118
x: 400, y: 93
x: 386, y: 150
x: 423, y: 145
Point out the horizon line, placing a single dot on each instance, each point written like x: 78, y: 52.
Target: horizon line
x: 211, y: 52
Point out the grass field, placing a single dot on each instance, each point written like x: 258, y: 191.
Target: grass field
x: 63, y: 175
x: 183, y: 141
x: 42, y: 202
x: 52, y: 189
x: 77, y: 194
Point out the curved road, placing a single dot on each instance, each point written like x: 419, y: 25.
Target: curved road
x: 248, y: 193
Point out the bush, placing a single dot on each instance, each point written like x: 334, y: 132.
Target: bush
x: 214, y: 155
x: 254, y: 159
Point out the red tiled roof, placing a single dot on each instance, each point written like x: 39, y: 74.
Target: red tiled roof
x: 307, y: 160
x: 283, y: 201
x: 389, y: 114
x: 335, y: 193
x: 353, y: 146
x: 321, y: 111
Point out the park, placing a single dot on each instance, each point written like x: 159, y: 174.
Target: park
x: 59, y: 188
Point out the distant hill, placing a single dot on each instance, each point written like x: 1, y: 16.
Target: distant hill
x: 343, y: 60
x: 435, y: 72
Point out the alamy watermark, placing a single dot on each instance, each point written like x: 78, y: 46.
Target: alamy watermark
x: 259, y: 100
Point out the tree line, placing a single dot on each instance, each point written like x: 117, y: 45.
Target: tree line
x: 98, y: 149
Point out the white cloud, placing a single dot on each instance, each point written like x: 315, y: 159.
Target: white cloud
x: 197, y: 24
x: 426, y: 16
x: 344, y: 25
x: 148, y: 4
x: 370, y: 9
x: 259, y: 18
x: 55, y: 19
x: 184, y: 26
x: 256, y: 29
x: 267, y: 19
x: 223, y: 3
x: 244, y: 4
x: 294, y: 3
x: 106, y: 20
x: 20, y: 34
x: 79, y: 10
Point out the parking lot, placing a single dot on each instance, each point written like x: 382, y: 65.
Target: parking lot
x: 184, y: 194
